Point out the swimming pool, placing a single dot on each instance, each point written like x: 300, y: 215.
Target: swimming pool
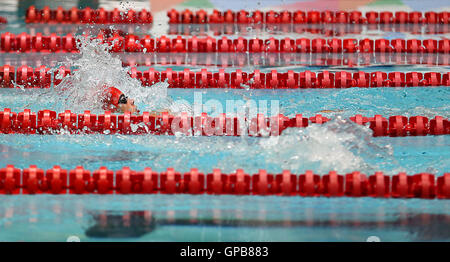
x: 339, y: 145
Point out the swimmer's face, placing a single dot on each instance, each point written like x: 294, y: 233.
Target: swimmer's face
x: 129, y: 106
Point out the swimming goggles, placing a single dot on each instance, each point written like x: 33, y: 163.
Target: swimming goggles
x: 123, y: 99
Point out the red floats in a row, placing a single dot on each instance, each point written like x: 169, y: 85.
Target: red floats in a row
x: 310, y: 17
x: 54, y: 43
x: 289, y: 79
x: 41, y: 77
x: 27, y: 77
x: 56, y: 180
x: 86, y: 16
x: 49, y: 122
x: 243, y: 60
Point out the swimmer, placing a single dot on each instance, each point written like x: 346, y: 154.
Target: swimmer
x: 116, y: 101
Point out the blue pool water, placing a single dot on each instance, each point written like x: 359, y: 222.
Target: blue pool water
x: 221, y: 218
x: 338, y: 145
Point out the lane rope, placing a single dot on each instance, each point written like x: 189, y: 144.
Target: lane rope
x: 43, y: 77
x: 131, y: 43
x: 102, y: 16
x: 86, y: 16
x: 330, y: 30
x: 49, y: 122
x: 241, y: 60
x: 56, y: 180
x: 310, y: 17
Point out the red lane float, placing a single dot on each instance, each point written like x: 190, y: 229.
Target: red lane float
x: 56, y: 180
x: 329, y: 30
x: 24, y: 42
x: 48, y: 122
x: 41, y: 77
x: 241, y: 60
x: 86, y: 16
x: 310, y: 17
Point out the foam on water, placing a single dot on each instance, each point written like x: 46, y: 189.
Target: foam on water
x: 97, y: 69
x: 338, y: 144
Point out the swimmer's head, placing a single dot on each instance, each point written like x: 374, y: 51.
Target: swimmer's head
x: 116, y: 101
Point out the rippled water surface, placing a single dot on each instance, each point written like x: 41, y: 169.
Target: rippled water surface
x: 337, y: 145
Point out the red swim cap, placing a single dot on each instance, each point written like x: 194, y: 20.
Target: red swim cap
x: 112, y: 96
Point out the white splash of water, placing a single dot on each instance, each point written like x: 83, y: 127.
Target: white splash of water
x: 339, y: 145
x: 97, y: 69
